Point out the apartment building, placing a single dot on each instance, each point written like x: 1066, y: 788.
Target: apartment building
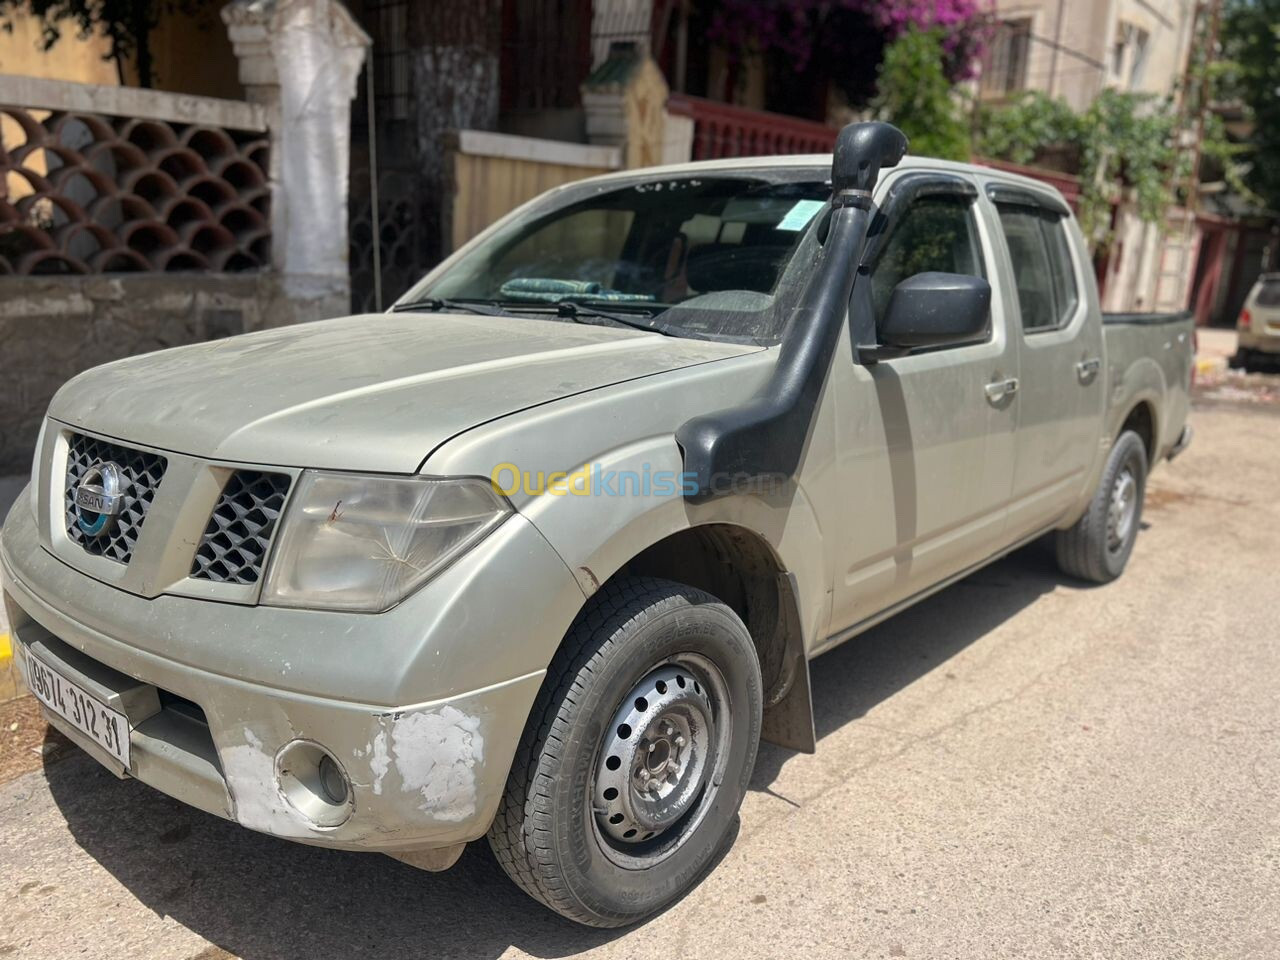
x: 1076, y: 48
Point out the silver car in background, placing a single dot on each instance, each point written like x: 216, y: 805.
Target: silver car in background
x: 1258, y: 326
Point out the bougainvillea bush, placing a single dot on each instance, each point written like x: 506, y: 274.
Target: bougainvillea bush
x: 802, y: 30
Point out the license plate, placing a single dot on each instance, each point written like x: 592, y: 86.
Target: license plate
x: 106, y: 727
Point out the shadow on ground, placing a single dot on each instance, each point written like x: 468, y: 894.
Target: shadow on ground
x: 870, y: 668
x: 261, y: 898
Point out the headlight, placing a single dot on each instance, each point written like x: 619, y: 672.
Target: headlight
x: 34, y: 484
x: 353, y: 542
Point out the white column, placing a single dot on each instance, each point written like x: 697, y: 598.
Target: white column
x: 301, y: 59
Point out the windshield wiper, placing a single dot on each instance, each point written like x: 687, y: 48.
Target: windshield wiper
x: 583, y: 312
x: 436, y: 304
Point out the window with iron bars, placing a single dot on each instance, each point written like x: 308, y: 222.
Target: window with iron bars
x: 1006, y: 68
x: 388, y: 24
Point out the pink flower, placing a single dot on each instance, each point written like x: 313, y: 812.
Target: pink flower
x: 789, y: 25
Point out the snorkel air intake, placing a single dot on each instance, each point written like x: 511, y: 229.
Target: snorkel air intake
x: 766, y: 436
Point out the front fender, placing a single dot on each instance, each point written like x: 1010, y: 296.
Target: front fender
x: 598, y: 530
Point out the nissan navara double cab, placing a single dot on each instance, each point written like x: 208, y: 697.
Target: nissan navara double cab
x: 543, y: 552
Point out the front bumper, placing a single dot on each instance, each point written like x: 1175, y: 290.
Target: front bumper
x: 422, y: 706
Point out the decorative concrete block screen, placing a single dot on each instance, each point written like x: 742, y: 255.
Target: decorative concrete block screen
x: 118, y: 180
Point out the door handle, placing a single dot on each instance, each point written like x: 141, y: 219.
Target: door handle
x: 1000, y: 389
x: 1086, y: 370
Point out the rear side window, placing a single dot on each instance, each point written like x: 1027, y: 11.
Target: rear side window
x: 1269, y: 292
x: 1041, y: 258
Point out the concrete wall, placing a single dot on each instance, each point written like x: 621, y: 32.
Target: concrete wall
x: 1081, y: 30
x: 52, y: 328
x: 1085, y: 34
x: 1168, y: 25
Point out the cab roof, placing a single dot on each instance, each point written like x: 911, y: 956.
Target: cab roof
x: 818, y: 161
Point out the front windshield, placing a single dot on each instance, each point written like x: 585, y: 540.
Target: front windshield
x: 701, y: 256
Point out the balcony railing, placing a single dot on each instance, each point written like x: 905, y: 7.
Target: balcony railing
x: 723, y: 130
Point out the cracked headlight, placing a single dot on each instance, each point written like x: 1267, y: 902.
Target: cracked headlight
x: 357, y: 542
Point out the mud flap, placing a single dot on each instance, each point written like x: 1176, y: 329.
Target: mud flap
x: 789, y: 722
x: 788, y: 714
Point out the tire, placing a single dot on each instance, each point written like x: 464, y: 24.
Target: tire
x: 680, y: 666
x: 1098, y: 545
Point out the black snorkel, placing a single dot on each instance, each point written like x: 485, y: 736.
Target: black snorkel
x: 765, y: 437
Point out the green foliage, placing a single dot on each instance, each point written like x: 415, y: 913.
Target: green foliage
x: 1251, y: 72
x: 1123, y: 139
x: 1018, y: 130
x: 916, y: 96
x: 1127, y: 138
x: 127, y: 24
x: 1131, y: 141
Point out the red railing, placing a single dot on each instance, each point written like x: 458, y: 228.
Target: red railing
x: 723, y: 130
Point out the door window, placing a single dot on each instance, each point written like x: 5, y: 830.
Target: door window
x: 1041, y: 260
x: 934, y: 233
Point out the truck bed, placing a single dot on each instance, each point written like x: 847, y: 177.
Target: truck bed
x: 1150, y: 358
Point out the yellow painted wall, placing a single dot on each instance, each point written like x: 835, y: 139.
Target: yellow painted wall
x: 71, y: 58
x: 194, y: 55
x: 191, y: 55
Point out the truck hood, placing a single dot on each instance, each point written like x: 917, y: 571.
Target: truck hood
x: 374, y: 392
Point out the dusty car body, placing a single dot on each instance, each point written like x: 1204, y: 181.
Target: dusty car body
x: 416, y: 721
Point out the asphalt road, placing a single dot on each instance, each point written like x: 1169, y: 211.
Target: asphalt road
x: 1020, y: 766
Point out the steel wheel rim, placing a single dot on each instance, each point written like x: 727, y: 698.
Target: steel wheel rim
x: 650, y: 792
x: 1122, y: 509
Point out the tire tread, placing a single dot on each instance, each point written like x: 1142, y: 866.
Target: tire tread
x: 519, y: 837
x: 1081, y: 548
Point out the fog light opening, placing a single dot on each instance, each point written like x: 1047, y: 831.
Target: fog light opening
x: 314, y: 783
x: 333, y: 781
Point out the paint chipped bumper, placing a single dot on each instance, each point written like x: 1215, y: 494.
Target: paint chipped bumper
x: 424, y: 771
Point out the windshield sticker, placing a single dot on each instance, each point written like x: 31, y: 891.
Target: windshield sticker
x: 798, y: 217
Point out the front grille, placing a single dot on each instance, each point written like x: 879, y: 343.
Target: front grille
x: 143, y: 470
x: 238, y: 535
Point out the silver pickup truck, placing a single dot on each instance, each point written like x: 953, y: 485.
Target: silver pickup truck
x: 543, y: 552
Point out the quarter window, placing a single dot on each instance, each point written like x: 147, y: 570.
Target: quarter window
x: 1041, y: 260
x: 934, y: 233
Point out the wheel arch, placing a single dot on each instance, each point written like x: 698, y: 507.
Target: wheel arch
x: 1141, y: 419
x: 740, y: 567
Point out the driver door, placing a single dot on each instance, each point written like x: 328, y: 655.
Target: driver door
x: 924, y: 442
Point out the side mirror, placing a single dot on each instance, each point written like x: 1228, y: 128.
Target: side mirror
x: 933, y: 310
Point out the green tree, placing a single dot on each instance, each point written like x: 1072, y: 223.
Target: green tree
x: 1122, y: 140
x: 1020, y: 130
x: 127, y: 24
x: 914, y: 94
x: 1251, y: 49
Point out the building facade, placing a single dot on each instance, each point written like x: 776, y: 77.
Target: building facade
x: 1074, y: 49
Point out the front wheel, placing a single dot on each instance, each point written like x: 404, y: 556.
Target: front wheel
x: 1098, y: 545
x: 636, y: 757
